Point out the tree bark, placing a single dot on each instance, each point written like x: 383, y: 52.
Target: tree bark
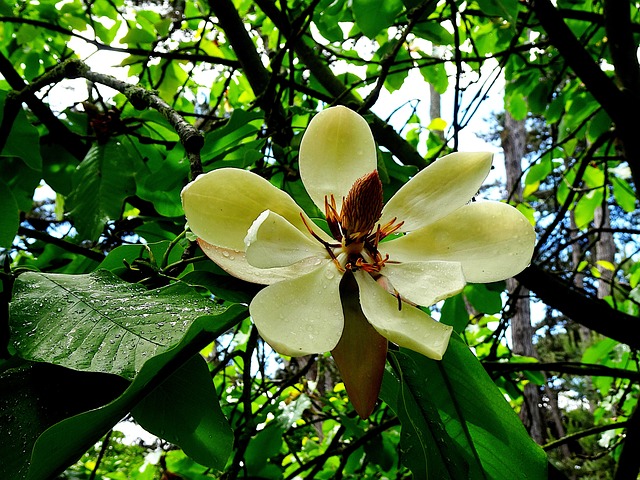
x: 605, y: 249
x: 513, y: 143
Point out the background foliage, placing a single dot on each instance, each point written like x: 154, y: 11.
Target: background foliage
x: 111, y: 315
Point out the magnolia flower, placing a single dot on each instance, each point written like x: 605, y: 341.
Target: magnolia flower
x: 356, y: 286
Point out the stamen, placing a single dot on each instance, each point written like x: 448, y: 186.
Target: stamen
x: 328, y: 246
x: 361, y: 207
x: 333, y: 218
x: 389, y: 228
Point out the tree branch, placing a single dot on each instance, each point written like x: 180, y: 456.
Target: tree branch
x: 592, y: 313
x: 58, y: 130
x: 571, y: 368
x: 617, y: 103
x: 253, y: 68
x: 172, y: 55
x: 628, y: 464
x: 382, y: 131
x: 140, y: 98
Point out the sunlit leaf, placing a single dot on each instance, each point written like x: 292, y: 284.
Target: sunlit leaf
x: 65, y: 442
x: 372, y: 16
x: 485, y: 300
x: 97, y: 322
x: 623, y: 193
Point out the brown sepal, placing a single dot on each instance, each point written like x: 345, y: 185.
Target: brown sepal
x: 361, y: 352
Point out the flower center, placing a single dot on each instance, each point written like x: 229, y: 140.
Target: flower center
x: 356, y: 226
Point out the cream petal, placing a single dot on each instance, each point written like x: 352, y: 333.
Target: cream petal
x: 409, y: 327
x: 336, y: 149
x: 221, y: 205
x: 444, y: 186
x: 492, y: 240
x: 273, y: 242
x: 235, y: 263
x: 302, y: 315
x: 425, y: 283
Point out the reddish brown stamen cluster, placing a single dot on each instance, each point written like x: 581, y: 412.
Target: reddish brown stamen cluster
x: 356, y: 226
x: 362, y: 207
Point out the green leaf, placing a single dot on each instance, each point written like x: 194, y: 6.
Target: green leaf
x: 35, y: 396
x: 162, y: 187
x: 64, y: 443
x: 23, y: 139
x: 484, y: 429
x: 507, y: 9
x: 517, y: 105
x: 21, y: 180
x: 483, y: 299
x: 539, y: 171
x: 54, y: 257
x: 435, y: 33
x: 585, y: 209
x: 102, y: 181
x: 624, y: 195
x: 372, y: 16
x: 328, y: 27
x: 184, y: 410
x: 437, y: 76
x: 227, y: 138
x: 9, y: 216
x: 150, y: 254
x: 454, y: 313
x: 138, y: 35
x: 58, y: 167
x: 427, y: 449
x: 97, y: 322
x: 264, y: 445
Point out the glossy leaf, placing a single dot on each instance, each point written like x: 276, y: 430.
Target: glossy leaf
x: 102, y: 181
x: 480, y: 428
x: 372, y: 16
x: 25, y: 387
x: 64, y: 442
x: 97, y: 322
x: 184, y: 410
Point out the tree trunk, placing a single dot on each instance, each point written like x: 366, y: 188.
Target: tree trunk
x: 513, y: 144
x: 605, y: 249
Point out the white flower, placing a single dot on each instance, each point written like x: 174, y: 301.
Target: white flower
x: 326, y: 292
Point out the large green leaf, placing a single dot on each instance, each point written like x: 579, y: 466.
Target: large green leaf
x: 185, y: 411
x: 101, y: 183
x: 35, y: 396
x: 23, y: 139
x: 97, y: 322
x: 9, y: 215
x: 240, y: 127
x: 162, y: 187
x: 372, y: 15
x: 483, y: 429
x: 63, y: 443
x: 427, y: 448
